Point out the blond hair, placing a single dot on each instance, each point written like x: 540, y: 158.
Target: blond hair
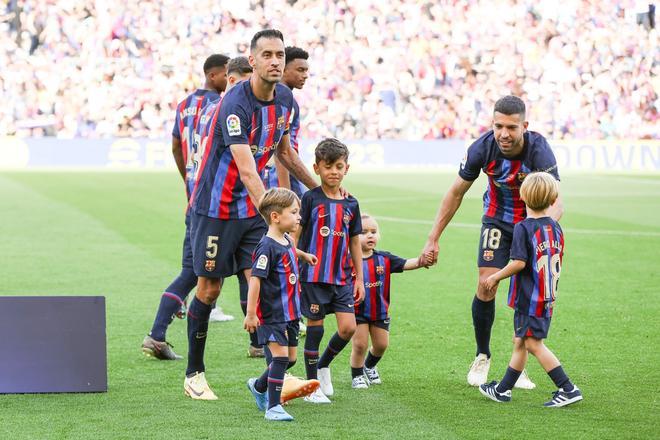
x: 539, y: 190
x: 276, y: 200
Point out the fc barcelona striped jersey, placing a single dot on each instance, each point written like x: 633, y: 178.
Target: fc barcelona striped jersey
x: 505, y: 175
x: 277, y: 266
x: 328, y: 225
x: 187, y: 118
x: 377, y: 270
x: 240, y: 119
x: 539, y: 242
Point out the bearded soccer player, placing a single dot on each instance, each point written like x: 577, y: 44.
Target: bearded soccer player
x: 188, y: 113
x: 247, y: 128
x: 507, y: 153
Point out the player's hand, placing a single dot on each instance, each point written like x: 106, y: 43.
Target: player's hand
x: 250, y: 323
x: 424, y: 260
x: 430, y: 253
x: 358, y: 292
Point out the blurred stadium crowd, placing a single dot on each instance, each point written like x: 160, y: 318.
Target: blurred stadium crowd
x: 380, y: 69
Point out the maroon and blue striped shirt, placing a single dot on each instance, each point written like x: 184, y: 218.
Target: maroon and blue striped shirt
x: 505, y: 175
x: 240, y: 119
x: 277, y: 266
x: 188, y: 113
x: 539, y: 242
x: 328, y: 225
x: 377, y: 270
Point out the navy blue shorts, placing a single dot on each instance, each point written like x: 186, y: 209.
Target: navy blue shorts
x: 494, y: 243
x: 525, y: 326
x: 222, y: 247
x: 380, y: 323
x: 285, y: 334
x: 187, y: 257
x: 320, y: 299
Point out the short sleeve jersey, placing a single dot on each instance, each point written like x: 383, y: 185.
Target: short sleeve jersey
x: 240, y: 119
x: 505, y: 175
x: 277, y: 267
x: 328, y: 225
x: 540, y: 244
x: 377, y: 270
x: 188, y: 113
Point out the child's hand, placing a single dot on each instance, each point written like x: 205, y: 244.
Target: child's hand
x: 490, y: 283
x: 358, y: 292
x: 308, y: 258
x: 426, y: 260
x: 251, y: 322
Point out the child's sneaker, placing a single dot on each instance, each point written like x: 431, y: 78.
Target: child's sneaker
x: 524, y: 382
x: 372, y: 375
x: 489, y: 390
x: 260, y: 398
x: 277, y: 414
x: 326, y: 381
x: 217, y: 315
x: 317, y: 397
x: 562, y: 398
x: 360, y: 383
x: 478, y: 374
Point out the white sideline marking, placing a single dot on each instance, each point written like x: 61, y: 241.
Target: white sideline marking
x: 571, y: 230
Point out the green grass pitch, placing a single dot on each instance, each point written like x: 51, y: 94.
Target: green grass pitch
x: 119, y: 235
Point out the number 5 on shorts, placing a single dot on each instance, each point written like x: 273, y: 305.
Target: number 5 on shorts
x: 491, y: 238
x: 212, y: 246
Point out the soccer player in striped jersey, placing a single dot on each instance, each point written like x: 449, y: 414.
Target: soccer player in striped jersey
x: 506, y: 154
x: 273, y: 310
x: 537, y: 251
x: 246, y: 129
x: 296, y: 72
x: 331, y: 227
x: 188, y: 114
x: 373, y: 315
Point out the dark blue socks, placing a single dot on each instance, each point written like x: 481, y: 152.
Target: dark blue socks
x: 311, y: 353
x: 171, y: 302
x: 561, y: 379
x: 335, y: 345
x: 483, y: 316
x: 276, y: 380
x: 198, y: 325
x: 509, y: 380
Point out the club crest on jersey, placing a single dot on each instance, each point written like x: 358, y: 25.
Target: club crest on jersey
x: 314, y: 308
x: 262, y: 262
x: 489, y: 255
x: 347, y: 218
x: 380, y: 270
x: 324, y: 231
x: 233, y: 125
x: 292, y: 278
x: 280, y: 123
x: 521, y: 176
x: 210, y: 265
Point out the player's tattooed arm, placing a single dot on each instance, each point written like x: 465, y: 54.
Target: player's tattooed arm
x: 448, y: 207
x: 290, y: 159
x: 177, y: 152
x: 251, y: 322
x: 247, y: 170
x: 510, y: 269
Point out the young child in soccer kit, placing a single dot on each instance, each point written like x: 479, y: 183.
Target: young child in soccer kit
x: 372, y: 314
x: 331, y: 227
x: 536, y: 252
x: 273, y: 308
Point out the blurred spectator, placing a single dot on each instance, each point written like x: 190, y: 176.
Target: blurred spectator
x: 380, y: 69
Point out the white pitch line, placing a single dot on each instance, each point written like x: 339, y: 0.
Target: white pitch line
x: 571, y: 230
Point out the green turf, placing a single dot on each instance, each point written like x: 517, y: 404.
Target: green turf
x: 119, y: 235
